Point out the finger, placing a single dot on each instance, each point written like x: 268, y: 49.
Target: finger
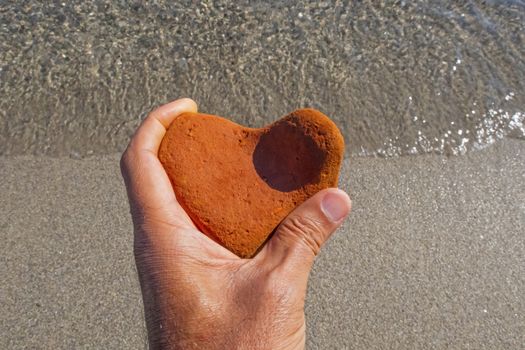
x: 298, y: 239
x: 146, y: 180
x: 150, y: 133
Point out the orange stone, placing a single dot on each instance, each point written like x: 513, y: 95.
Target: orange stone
x: 237, y: 184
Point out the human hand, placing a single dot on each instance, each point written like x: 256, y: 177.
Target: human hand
x: 199, y: 295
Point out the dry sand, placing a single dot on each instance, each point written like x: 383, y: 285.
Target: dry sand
x: 432, y: 257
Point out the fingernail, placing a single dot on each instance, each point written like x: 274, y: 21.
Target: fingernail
x: 335, y: 205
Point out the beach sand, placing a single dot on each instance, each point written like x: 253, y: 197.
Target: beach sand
x: 432, y: 257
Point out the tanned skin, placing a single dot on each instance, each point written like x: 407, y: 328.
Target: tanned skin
x: 199, y: 295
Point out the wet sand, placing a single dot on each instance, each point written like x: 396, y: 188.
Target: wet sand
x: 432, y: 257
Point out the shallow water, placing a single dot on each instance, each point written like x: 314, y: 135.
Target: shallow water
x: 397, y: 77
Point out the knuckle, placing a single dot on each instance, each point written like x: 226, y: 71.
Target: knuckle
x: 305, y: 231
x: 123, y: 159
x: 126, y: 159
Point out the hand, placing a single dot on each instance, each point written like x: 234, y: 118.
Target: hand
x: 199, y: 295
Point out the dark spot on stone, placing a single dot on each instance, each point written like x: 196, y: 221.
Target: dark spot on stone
x: 287, y: 158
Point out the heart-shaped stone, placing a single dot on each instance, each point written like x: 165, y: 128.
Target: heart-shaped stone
x: 237, y: 184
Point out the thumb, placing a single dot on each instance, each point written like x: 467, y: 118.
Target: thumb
x: 300, y: 236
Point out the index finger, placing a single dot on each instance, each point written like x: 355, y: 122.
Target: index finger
x: 150, y: 133
x: 146, y: 180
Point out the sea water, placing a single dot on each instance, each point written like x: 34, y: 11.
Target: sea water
x: 398, y: 77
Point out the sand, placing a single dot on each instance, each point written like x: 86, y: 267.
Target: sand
x: 432, y: 257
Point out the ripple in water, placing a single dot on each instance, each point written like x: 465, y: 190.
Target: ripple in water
x: 490, y: 127
x: 399, y: 78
